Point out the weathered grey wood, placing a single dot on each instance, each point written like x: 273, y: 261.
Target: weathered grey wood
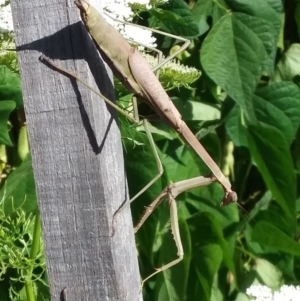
x: 76, y: 156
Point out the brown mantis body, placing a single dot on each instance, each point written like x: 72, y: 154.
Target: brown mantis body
x: 134, y: 72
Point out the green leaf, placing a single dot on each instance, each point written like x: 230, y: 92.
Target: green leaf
x: 269, y: 235
x: 19, y: 189
x: 159, y: 131
x: 269, y: 274
x: 289, y: 65
x: 207, y: 261
x: 172, y: 283
x: 177, y: 19
x: 273, y: 215
x: 196, y: 110
x: 270, y: 153
x: 284, y: 98
x: 10, y: 86
x: 211, y: 234
x: 232, y: 55
x: 6, y: 107
x: 297, y: 18
x: 277, y: 105
x: 269, y: 11
x: 201, y: 11
x: 219, y: 10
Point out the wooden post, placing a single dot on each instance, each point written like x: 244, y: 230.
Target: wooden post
x: 76, y: 156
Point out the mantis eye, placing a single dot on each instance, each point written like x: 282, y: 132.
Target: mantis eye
x: 230, y: 197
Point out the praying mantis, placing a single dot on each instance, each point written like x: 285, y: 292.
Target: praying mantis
x: 134, y: 72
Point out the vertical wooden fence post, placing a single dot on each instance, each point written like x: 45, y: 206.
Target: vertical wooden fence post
x: 76, y: 156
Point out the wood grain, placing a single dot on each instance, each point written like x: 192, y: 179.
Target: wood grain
x: 76, y: 156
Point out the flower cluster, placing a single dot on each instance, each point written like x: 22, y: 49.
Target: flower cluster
x: 172, y: 74
x: 263, y: 293
x: 6, y: 23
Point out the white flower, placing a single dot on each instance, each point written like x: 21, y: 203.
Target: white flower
x: 287, y: 293
x: 260, y: 292
x: 139, y: 36
x: 263, y: 293
x: 118, y: 9
x: 121, y: 10
x: 6, y: 22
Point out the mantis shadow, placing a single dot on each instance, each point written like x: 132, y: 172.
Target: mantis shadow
x: 75, y: 44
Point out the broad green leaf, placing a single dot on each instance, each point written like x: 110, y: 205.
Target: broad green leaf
x: 6, y: 107
x: 201, y: 11
x: 277, y: 105
x: 172, y: 283
x: 19, y: 189
x: 196, y: 110
x: 241, y: 297
x: 266, y: 9
x: 183, y: 163
x: 159, y: 130
x: 269, y: 235
x: 269, y: 274
x: 10, y: 86
x: 232, y: 55
x: 297, y: 18
x: 208, y: 200
x: 270, y: 153
x: 209, y: 249
x: 220, y: 8
x: 283, y: 261
x: 269, y: 11
x: 273, y: 215
x: 207, y: 261
x: 289, y: 65
x: 206, y: 231
x: 177, y: 19
x: 285, y: 96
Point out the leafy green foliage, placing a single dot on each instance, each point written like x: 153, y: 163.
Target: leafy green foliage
x: 10, y: 86
x: 245, y: 110
x: 20, y: 188
x: 244, y: 96
x: 6, y: 107
x: 22, y: 263
x: 176, y: 18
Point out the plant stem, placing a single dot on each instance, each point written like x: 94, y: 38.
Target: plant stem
x: 29, y: 290
x: 35, y: 247
x: 36, y: 236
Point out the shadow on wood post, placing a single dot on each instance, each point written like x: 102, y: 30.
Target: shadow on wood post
x: 77, y: 157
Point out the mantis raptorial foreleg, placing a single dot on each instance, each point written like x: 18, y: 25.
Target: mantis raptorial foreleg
x: 171, y: 192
